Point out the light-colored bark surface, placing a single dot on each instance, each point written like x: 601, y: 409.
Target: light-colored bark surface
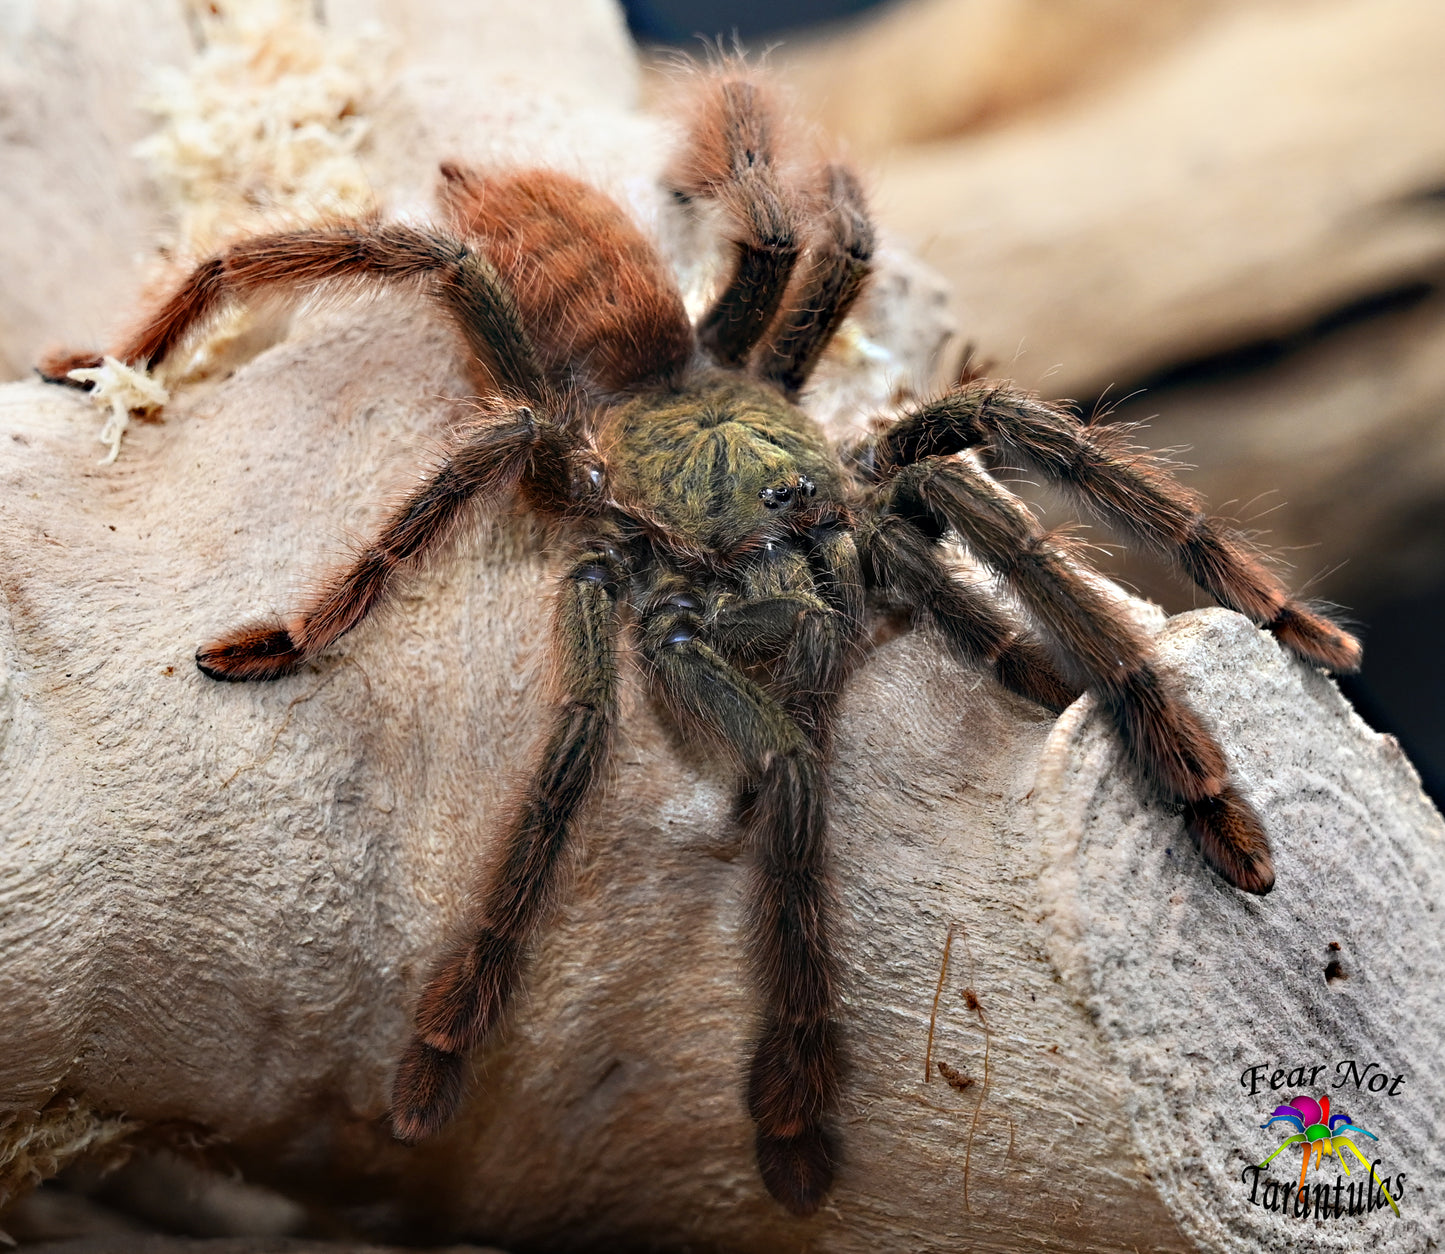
x: 216, y: 902
x: 1280, y: 162
x: 1189, y: 989
x: 77, y: 207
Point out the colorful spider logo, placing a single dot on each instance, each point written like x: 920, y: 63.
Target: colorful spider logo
x: 1320, y: 1132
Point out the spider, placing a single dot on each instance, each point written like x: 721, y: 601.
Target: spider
x: 716, y: 532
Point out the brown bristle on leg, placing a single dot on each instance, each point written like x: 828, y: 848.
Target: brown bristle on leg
x: 295, y: 265
x: 1166, y: 740
x: 730, y: 159
x: 257, y: 652
x: 1024, y: 666
x: 466, y: 992
x: 815, y: 304
x: 56, y: 367
x: 1232, y: 840
x: 796, y: 1170
x: 1314, y: 637
x: 470, y: 986
x: 1132, y: 490
x: 793, y: 1079
x: 426, y: 1092
x: 484, y: 462
x: 1163, y: 736
x: 978, y: 632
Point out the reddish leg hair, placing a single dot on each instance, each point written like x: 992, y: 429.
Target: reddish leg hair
x: 729, y: 157
x: 484, y: 464
x: 55, y: 366
x: 838, y: 264
x: 299, y: 263
x: 1165, y: 739
x: 905, y: 565
x: 470, y: 987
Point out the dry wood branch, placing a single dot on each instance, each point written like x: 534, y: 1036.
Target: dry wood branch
x: 239, y: 950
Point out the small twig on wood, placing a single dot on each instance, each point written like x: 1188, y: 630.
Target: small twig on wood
x: 970, y: 999
x: 933, y: 1018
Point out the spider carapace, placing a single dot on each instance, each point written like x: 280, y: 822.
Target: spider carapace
x: 716, y: 532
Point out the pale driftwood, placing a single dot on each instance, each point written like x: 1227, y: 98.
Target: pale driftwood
x: 224, y: 896
x: 1280, y: 162
x: 217, y: 901
x: 921, y: 70
x: 75, y: 203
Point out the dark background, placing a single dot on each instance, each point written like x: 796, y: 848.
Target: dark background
x: 682, y: 21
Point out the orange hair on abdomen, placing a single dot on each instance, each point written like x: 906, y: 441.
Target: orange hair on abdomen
x: 592, y: 290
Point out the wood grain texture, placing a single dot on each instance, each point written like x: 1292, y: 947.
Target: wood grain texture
x: 1343, y: 961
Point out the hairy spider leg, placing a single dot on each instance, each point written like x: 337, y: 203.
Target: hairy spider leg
x: 1110, y: 654
x: 801, y: 607
x: 297, y: 264
x: 484, y: 464
x: 1131, y: 490
x: 825, y: 647
x: 906, y: 566
x: 729, y: 158
x: 793, y: 1079
x: 471, y: 986
x: 838, y: 264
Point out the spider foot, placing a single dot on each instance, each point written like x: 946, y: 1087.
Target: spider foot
x: 797, y: 1170
x: 1232, y: 840
x: 792, y: 1078
x: 426, y: 1091
x: 465, y: 994
x: 263, y: 651
x: 1316, y: 639
x: 56, y: 367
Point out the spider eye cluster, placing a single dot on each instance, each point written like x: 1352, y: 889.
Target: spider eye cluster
x: 776, y: 498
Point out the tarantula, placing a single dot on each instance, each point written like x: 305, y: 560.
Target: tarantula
x: 712, y: 523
